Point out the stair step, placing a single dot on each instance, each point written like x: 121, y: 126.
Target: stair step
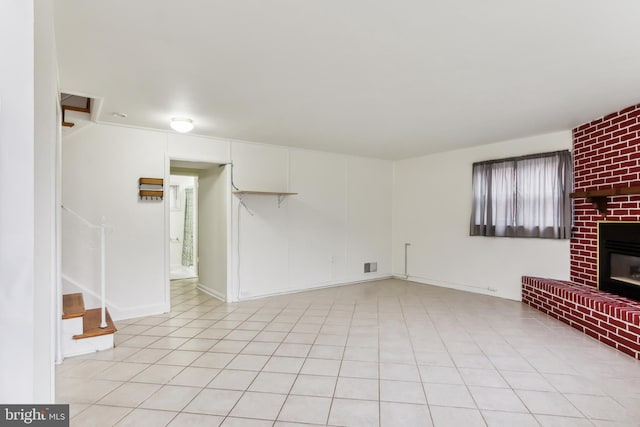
x: 72, y: 306
x: 91, y: 324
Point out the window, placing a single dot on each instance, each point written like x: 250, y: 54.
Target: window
x: 523, y: 196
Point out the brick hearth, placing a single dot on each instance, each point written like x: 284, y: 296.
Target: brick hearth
x: 606, y: 317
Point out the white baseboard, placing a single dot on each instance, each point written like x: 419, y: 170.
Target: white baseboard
x: 139, y: 311
x: 92, y: 299
x: 212, y: 292
x: 248, y: 297
x: 457, y: 286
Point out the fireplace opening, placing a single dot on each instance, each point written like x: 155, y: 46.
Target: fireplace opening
x: 619, y: 258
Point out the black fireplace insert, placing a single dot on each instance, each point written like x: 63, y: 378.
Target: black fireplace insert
x: 619, y: 258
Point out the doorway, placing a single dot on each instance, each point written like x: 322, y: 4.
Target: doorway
x: 183, y: 226
x: 198, y: 225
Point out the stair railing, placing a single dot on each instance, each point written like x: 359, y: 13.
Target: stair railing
x: 103, y: 271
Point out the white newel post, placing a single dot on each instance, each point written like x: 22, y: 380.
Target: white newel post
x: 103, y: 275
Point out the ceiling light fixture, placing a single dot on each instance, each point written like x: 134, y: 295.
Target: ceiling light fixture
x: 181, y: 124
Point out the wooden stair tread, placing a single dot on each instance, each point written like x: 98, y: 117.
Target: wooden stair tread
x: 91, y: 324
x: 72, y: 306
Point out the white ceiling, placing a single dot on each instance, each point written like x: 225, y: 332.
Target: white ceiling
x: 389, y: 79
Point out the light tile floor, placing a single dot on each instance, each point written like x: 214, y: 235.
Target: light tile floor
x: 384, y: 353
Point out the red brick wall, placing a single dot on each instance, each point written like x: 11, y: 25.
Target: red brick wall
x: 606, y: 154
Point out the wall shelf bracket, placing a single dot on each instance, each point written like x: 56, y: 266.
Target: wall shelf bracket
x: 599, y: 203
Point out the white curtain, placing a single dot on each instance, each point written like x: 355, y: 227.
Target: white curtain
x: 187, y: 241
x: 523, y: 197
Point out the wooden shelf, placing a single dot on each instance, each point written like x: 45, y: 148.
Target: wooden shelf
x: 265, y: 193
x: 151, y: 181
x: 281, y: 195
x: 598, y: 198
x: 620, y: 191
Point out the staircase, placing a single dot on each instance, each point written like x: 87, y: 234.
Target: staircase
x: 70, y: 102
x: 81, y: 331
x: 78, y: 112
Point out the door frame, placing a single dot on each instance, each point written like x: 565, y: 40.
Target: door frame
x: 198, y: 163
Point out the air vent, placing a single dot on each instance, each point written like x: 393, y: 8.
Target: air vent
x: 370, y: 267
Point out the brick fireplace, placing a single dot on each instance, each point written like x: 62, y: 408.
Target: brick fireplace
x: 606, y: 155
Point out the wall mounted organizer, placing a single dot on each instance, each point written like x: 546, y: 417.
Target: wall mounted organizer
x: 151, y: 188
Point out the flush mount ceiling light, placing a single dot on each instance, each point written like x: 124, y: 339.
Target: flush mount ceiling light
x: 181, y: 124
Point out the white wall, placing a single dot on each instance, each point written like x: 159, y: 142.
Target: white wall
x: 46, y: 163
x: 260, y: 167
x: 28, y: 93
x: 197, y: 148
x: 213, y: 209
x: 101, y: 166
x: 340, y: 218
x: 17, y: 190
x: 432, y: 208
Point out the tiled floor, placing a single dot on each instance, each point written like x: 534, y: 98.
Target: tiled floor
x: 385, y: 353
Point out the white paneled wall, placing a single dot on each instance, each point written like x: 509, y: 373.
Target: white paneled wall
x: 320, y: 237
x: 368, y: 195
x: 260, y: 167
x: 318, y: 218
